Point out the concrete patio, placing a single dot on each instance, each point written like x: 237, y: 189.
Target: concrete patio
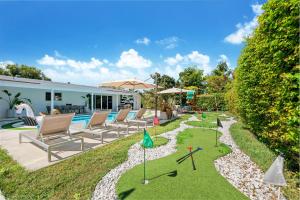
x: 33, y: 157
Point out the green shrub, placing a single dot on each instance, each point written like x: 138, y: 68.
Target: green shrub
x: 211, y: 102
x: 268, y: 79
x: 231, y: 97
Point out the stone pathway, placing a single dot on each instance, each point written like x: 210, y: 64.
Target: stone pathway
x: 1, y: 196
x: 241, y: 172
x: 105, y: 189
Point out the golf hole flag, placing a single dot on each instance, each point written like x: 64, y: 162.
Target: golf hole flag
x: 219, y: 123
x: 274, y: 174
x: 203, y: 115
x: 147, y: 143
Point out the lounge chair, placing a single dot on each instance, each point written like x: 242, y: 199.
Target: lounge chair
x: 97, y: 125
x: 121, y: 118
x: 52, y: 127
x: 139, y: 118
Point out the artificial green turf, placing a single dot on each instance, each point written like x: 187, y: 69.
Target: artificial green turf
x: 9, y: 126
x: 210, y: 121
x: 204, y: 123
x: 74, y: 178
x: 168, y: 180
x: 159, y: 141
x: 263, y: 157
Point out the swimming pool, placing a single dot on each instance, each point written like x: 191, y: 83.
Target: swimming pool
x: 111, y: 117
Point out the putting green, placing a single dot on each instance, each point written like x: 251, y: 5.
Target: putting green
x: 168, y: 180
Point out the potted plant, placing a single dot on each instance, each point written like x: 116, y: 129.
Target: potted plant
x: 13, y: 101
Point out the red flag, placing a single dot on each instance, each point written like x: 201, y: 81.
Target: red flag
x: 155, y: 121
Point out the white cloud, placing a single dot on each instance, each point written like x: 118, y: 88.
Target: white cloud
x: 88, y: 76
x: 198, y: 58
x: 104, y: 70
x: 92, y: 64
x: 223, y: 57
x: 169, y: 43
x: 257, y: 9
x: 176, y: 63
x: 52, y: 61
x: 94, y: 71
x: 245, y: 30
x: 4, y: 63
x: 132, y: 59
x: 173, y: 71
x: 49, y: 60
x: 174, y: 60
x: 145, y: 41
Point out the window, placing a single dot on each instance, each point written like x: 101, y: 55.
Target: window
x: 104, y: 102
x: 57, y: 96
x: 98, y: 101
x: 48, y: 96
x: 109, y: 102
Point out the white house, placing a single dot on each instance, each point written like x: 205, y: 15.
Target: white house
x: 49, y: 94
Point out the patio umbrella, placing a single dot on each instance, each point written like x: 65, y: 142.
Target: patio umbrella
x: 173, y: 91
x: 129, y: 84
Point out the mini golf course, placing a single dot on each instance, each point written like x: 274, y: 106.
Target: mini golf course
x: 169, y: 180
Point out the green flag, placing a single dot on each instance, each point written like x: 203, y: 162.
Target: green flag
x: 219, y: 123
x: 147, y: 142
x: 203, y: 115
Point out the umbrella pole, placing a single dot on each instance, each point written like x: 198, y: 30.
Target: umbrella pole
x: 156, y: 95
x: 180, y: 94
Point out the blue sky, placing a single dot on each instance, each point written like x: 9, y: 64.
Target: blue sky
x: 98, y: 41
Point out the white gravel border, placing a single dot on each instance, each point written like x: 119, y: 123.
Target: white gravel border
x: 1, y: 196
x: 105, y: 189
x: 241, y: 172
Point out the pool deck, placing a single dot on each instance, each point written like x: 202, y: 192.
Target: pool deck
x: 33, y: 157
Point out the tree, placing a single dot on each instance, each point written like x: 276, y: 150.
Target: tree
x: 164, y: 81
x: 191, y: 76
x: 222, y: 69
x: 219, y: 78
x: 216, y: 84
x: 268, y: 76
x: 23, y: 71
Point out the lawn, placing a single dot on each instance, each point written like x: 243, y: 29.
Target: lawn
x: 168, y: 180
x: 74, y: 178
x: 159, y: 141
x: 263, y: 157
x: 209, y: 121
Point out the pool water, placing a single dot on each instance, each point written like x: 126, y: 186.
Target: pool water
x: 111, y: 117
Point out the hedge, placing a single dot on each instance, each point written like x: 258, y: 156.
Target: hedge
x: 211, y: 102
x: 268, y: 79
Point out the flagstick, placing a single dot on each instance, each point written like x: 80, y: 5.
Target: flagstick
x: 216, y: 137
x: 144, y: 165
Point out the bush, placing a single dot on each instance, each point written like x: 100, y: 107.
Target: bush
x: 268, y: 79
x: 231, y: 98
x: 211, y: 102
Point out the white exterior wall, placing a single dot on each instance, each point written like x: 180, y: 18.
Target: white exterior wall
x: 39, y: 103
x: 38, y: 99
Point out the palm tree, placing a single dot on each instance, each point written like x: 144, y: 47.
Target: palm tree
x: 14, y: 100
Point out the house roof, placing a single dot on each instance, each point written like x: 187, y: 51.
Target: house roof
x: 9, y: 81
